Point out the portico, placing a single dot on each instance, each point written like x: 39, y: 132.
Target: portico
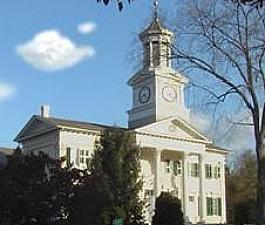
x: 175, y: 164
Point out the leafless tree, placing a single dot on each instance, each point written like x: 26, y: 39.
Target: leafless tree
x: 225, y: 56
x: 256, y: 3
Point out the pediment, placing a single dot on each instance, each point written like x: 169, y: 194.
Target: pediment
x: 173, y: 127
x: 35, y: 125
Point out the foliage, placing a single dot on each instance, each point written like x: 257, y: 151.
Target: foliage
x: 241, y: 189
x: 115, y: 171
x: 168, y: 210
x: 84, y: 203
x: 256, y: 3
x: 21, y: 203
x: 119, y: 3
x: 35, y: 189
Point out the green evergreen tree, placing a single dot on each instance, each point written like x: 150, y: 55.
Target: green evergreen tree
x: 35, y: 189
x: 168, y: 210
x: 115, y: 170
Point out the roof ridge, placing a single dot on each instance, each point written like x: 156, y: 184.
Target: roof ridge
x: 57, y: 120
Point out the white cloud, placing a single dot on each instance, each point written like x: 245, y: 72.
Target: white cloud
x: 50, y: 51
x: 6, y: 91
x: 87, y: 27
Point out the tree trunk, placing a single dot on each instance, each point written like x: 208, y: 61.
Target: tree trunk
x: 260, y: 147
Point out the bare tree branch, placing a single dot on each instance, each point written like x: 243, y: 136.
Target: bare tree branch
x: 228, y: 46
x: 202, y: 65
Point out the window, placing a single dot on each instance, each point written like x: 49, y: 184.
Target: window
x: 82, y: 152
x: 177, y: 168
x: 208, y: 170
x: 191, y: 198
x: 167, y: 166
x: 194, y: 170
x: 214, y: 206
x: 173, y: 166
x: 81, y: 160
x: 148, y: 195
x: 212, y: 171
x: 82, y: 157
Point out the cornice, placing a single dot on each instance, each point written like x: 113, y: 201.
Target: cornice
x: 39, y: 133
x: 140, y: 108
x: 173, y: 138
x: 219, y: 151
x: 80, y: 130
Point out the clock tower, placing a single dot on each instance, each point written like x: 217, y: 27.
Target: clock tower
x: 158, y: 90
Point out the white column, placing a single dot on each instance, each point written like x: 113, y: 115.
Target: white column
x: 202, y: 197
x: 223, y: 199
x: 184, y: 182
x: 157, y: 161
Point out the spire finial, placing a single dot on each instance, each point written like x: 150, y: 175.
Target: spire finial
x: 155, y: 5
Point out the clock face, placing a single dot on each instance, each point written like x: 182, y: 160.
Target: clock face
x: 169, y: 94
x: 144, y: 94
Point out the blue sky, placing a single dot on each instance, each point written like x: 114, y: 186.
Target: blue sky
x: 85, y: 78
x: 74, y: 56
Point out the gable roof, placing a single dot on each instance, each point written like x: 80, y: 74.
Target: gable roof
x: 53, y: 123
x: 189, y: 128
x: 182, y: 129
x: 177, y: 128
x: 58, y: 122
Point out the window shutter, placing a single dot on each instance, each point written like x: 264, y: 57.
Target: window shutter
x: 77, y: 157
x: 219, y: 207
x: 215, y: 172
x: 209, y: 203
x: 68, y: 156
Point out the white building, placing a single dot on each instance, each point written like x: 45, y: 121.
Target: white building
x: 4, y: 153
x: 176, y: 157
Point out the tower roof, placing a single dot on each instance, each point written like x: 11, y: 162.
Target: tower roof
x: 155, y: 27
